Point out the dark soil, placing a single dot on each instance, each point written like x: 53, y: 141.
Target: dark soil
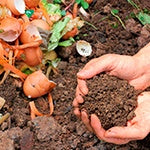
x: 63, y: 131
x: 113, y: 100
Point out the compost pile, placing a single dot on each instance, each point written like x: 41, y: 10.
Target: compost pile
x: 113, y: 100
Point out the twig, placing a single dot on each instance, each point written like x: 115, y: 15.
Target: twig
x: 69, y: 5
x: 3, y: 118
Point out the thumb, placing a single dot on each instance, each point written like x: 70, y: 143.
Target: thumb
x: 96, y: 66
x: 132, y: 132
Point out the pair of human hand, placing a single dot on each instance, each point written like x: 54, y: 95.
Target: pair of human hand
x: 130, y: 68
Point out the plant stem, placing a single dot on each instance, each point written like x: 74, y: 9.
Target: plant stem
x: 119, y: 19
x: 91, y: 25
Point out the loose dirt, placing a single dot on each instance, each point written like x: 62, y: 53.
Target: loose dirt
x: 113, y: 100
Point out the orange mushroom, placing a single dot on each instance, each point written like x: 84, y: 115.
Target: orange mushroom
x: 37, y: 84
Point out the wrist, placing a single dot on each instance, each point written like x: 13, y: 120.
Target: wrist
x: 143, y: 57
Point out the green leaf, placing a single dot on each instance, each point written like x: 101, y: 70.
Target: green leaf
x: 63, y: 13
x: 78, y: 1
x: 114, y: 25
x: 27, y: 71
x: 57, y: 1
x: 52, y: 46
x: 132, y: 15
x: 51, y: 8
x: 57, y: 33
x: 57, y: 29
x: 143, y: 18
x: 115, y: 11
x: 55, y: 62
x: 67, y: 42
x: 146, y: 11
x: 84, y: 4
x: 29, y: 13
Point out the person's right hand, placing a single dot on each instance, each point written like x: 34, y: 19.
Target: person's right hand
x: 131, y: 68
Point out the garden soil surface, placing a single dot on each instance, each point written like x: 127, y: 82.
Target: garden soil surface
x: 63, y: 130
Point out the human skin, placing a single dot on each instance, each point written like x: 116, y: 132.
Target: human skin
x: 136, y: 70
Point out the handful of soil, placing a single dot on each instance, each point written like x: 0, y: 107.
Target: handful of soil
x: 112, y: 99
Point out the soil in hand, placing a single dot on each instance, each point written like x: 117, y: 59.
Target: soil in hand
x: 112, y: 99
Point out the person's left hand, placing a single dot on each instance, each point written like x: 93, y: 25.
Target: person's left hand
x: 137, y: 128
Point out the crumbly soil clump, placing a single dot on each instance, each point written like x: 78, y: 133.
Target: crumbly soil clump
x: 113, y: 100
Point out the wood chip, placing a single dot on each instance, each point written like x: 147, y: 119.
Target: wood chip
x: 2, y: 102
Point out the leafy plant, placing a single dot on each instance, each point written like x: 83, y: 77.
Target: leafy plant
x: 146, y: 11
x: 114, y: 12
x: 114, y: 25
x: 143, y: 18
x: 83, y: 3
x: 143, y: 15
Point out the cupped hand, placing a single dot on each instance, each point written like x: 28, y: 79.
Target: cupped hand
x: 137, y: 74
x: 137, y: 128
x: 131, y: 68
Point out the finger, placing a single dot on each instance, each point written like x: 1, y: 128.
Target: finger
x: 75, y: 103
x: 82, y: 87
x: 91, y: 62
x: 78, y: 100
x: 77, y: 112
x: 144, y: 96
x: 78, y: 92
x: 103, y: 63
x: 96, y: 125
x: 86, y: 120
x: 100, y: 132
x: 131, y: 132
